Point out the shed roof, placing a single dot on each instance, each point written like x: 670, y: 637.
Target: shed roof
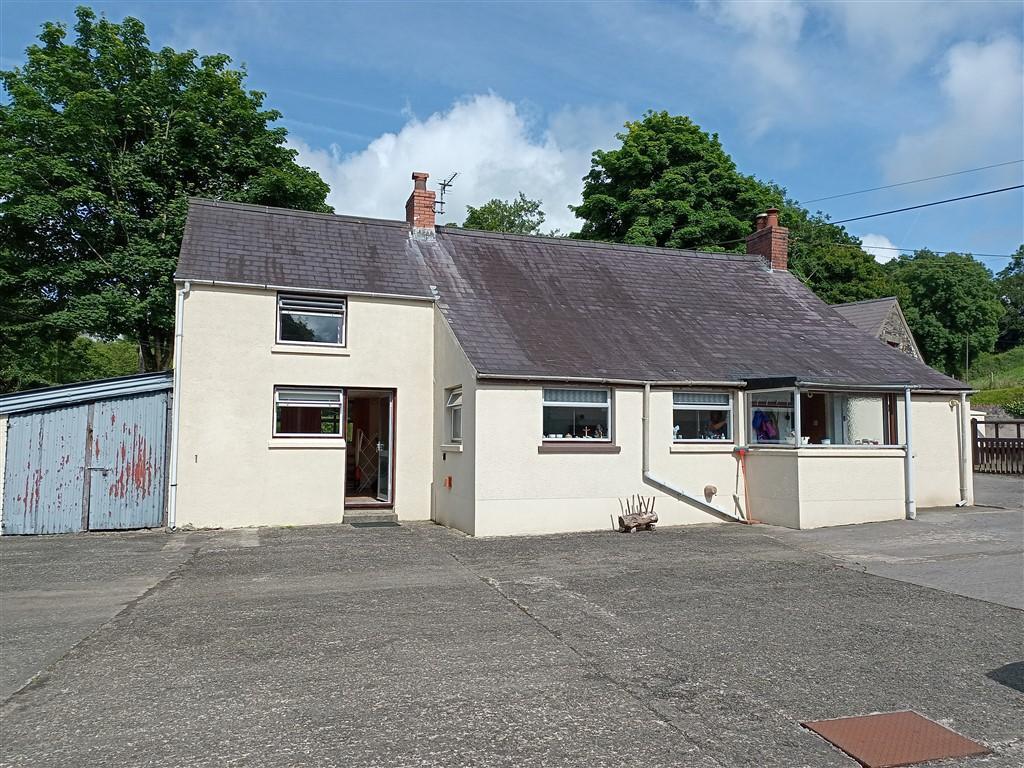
x: 559, y: 308
x: 85, y: 391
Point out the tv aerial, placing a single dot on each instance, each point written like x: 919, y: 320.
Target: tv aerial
x: 449, y: 182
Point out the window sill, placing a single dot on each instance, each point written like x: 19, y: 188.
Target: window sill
x: 306, y: 442
x: 712, y: 446
x: 451, y: 447
x: 581, y: 447
x: 305, y: 349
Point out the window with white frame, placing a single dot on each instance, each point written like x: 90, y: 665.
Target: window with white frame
x: 307, y: 412
x: 311, y: 320
x: 577, y: 414
x: 701, y: 416
x: 453, y: 415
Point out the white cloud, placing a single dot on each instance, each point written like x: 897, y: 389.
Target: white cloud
x: 904, y: 34
x: 879, y: 246
x: 489, y: 141
x: 983, y: 86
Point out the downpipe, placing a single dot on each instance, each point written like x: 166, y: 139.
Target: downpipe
x: 908, y: 460
x: 661, y: 485
x: 965, y: 436
x: 179, y: 318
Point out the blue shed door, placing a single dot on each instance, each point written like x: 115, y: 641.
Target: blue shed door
x: 44, y: 476
x: 127, y: 451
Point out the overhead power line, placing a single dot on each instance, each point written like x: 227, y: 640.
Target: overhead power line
x: 927, y: 205
x: 914, y: 181
x: 910, y: 250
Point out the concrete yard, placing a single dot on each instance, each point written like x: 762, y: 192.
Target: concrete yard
x: 702, y: 646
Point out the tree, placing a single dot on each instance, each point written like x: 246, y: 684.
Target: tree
x: 672, y: 184
x: 102, y: 141
x: 521, y: 216
x: 1010, y: 284
x: 951, y: 304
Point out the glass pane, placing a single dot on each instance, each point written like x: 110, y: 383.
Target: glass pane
x: 692, y: 424
x: 322, y: 329
x: 817, y: 420
x: 865, y: 419
x: 579, y: 422
x: 456, y: 424
x: 308, y: 420
x: 309, y: 395
x: 700, y: 398
x: 576, y: 395
x: 771, y: 417
x: 455, y: 397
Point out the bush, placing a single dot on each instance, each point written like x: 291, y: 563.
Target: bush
x: 1015, y: 407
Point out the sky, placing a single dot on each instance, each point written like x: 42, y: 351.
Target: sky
x: 823, y: 98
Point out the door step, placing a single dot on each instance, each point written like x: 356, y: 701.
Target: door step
x: 353, y: 516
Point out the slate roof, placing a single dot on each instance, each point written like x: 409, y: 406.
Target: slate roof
x: 525, y: 306
x: 258, y: 245
x: 869, y: 314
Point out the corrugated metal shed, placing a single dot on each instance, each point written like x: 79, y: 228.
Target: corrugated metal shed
x: 88, y: 456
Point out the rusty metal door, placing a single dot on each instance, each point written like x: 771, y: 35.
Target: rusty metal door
x: 125, y: 472
x: 44, y: 477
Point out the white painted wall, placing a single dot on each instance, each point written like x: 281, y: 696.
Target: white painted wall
x: 453, y: 506
x: 841, y: 486
x: 521, y: 491
x: 935, y: 421
x: 774, y: 486
x: 231, y: 472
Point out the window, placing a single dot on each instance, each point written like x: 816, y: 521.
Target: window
x: 307, y: 412
x: 577, y: 414
x: 699, y: 416
x: 771, y: 417
x: 453, y: 415
x: 311, y: 320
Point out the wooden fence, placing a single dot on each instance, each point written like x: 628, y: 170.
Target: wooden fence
x: 1001, y: 452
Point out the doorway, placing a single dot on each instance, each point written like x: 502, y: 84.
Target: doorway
x: 370, y: 458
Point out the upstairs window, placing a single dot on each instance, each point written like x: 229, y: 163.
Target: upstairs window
x: 307, y: 412
x: 453, y: 415
x: 577, y: 414
x: 311, y: 320
x: 700, y: 416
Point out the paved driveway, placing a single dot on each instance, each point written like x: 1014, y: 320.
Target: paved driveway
x: 701, y: 646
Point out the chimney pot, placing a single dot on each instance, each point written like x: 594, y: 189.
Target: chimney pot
x: 769, y: 240
x: 419, y: 208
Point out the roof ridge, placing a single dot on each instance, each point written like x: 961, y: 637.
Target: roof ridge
x: 865, y: 301
x: 279, y: 211
x: 603, y: 244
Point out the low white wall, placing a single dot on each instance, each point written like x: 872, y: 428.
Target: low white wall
x: 453, y: 503
x: 841, y: 486
x: 231, y: 472
x: 522, y: 491
x: 774, y: 486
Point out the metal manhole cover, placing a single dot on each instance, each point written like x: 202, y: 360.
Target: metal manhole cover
x: 893, y: 739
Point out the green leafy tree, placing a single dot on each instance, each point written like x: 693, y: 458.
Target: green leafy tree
x: 1010, y: 284
x: 669, y: 184
x: 102, y: 141
x: 521, y: 216
x: 672, y: 184
x: 952, y: 305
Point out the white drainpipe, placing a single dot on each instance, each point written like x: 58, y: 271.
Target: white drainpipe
x: 908, y: 461
x: 662, y: 485
x: 179, y: 318
x: 966, y: 436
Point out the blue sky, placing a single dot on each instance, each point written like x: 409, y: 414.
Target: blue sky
x: 821, y: 97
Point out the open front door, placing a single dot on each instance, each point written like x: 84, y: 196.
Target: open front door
x: 387, y: 428
x: 369, y: 478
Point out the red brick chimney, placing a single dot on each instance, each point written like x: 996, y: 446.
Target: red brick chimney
x: 419, y: 208
x: 769, y: 240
